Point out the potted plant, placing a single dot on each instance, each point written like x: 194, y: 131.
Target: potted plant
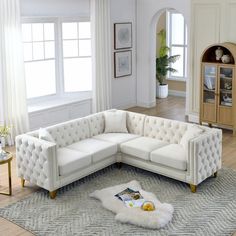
x: 4, y: 132
x: 163, y: 65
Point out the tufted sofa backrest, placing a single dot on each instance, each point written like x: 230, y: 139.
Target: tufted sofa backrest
x: 170, y: 131
x: 96, y: 123
x: 70, y: 132
x: 135, y: 122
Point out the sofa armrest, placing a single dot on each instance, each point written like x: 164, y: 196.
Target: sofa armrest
x: 36, y: 161
x: 204, y: 155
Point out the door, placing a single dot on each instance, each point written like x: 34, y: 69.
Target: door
x: 225, y: 112
x: 209, y: 93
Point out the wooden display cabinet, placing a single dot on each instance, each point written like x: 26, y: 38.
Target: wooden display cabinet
x: 218, y: 87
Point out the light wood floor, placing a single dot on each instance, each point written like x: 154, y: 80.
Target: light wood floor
x: 172, y: 108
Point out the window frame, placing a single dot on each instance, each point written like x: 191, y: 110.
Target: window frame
x: 59, y: 64
x: 170, y: 45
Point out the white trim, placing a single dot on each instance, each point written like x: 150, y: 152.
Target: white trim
x: 127, y: 105
x: 147, y: 104
x: 193, y: 118
x: 177, y: 93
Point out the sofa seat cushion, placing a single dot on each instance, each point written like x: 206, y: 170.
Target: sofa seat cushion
x: 172, y: 155
x: 117, y: 138
x: 71, y: 160
x: 99, y: 149
x: 141, y: 147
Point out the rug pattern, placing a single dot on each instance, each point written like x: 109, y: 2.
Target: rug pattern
x: 211, y: 211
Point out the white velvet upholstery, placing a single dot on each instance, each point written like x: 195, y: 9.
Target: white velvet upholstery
x: 115, y: 121
x: 70, y: 160
x: 152, y: 144
x: 172, y: 155
x: 99, y: 149
x: 135, y: 123
x: 70, y: 132
x: 141, y: 147
x: 117, y: 138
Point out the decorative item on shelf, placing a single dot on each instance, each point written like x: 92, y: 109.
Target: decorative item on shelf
x: 226, y: 98
x: 219, y: 53
x: 225, y: 59
x: 228, y: 85
x: 163, y: 65
x: 148, y: 206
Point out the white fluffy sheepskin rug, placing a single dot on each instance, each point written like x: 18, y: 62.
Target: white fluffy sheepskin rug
x: 136, y: 216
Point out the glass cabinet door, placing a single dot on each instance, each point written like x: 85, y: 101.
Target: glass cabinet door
x: 226, y: 75
x: 210, y: 83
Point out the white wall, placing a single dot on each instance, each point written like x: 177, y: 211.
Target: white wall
x: 55, y: 8
x: 148, y: 12
x: 124, y: 88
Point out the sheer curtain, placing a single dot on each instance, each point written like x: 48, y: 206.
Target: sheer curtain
x: 13, y: 107
x: 101, y: 44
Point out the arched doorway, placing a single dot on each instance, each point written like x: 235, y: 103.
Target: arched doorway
x: 177, y: 40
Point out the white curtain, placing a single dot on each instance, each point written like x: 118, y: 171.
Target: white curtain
x: 13, y: 107
x: 101, y: 44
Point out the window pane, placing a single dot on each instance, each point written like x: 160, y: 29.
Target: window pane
x: 38, y: 51
x: 69, y: 31
x: 77, y: 74
x: 177, y: 28
x: 179, y: 64
x: 70, y: 48
x: 85, y: 47
x: 40, y: 78
x: 84, y: 30
x: 49, y: 50
x: 27, y: 51
x: 26, y: 33
x: 49, y: 31
x: 37, y: 29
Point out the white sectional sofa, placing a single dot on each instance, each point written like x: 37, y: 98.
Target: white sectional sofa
x: 80, y: 147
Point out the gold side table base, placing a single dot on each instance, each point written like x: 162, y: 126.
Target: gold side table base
x: 8, y: 161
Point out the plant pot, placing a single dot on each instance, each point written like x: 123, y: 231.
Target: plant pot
x: 162, y: 90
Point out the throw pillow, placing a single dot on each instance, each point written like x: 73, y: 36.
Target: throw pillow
x: 192, y: 132
x: 45, y: 135
x: 115, y: 121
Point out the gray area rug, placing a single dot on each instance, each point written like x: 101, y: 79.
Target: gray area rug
x: 210, y: 211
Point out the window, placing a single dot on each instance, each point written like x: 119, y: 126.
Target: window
x: 57, y: 56
x: 177, y: 42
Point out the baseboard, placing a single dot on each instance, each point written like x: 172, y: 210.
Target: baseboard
x: 177, y: 93
x: 123, y: 106
x: 146, y: 105
x: 193, y: 118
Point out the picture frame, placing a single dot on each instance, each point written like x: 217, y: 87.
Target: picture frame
x: 122, y: 63
x: 123, y: 35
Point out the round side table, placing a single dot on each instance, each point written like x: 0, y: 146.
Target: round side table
x: 6, y: 159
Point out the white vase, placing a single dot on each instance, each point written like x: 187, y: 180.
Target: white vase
x: 3, y: 142
x: 162, y: 91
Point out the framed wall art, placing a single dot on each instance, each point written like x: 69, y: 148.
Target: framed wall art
x: 123, y: 35
x: 123, y: 63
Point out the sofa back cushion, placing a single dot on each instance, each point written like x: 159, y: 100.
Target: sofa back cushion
x: 96, y: 123
x: 170, y: 131
x: 69, y: 132
x: 135, y: 122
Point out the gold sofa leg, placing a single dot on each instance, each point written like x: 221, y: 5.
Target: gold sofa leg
x: 53, y: 194
x: 22, y: 182
x: 215, y: 174
x: 193, y: 188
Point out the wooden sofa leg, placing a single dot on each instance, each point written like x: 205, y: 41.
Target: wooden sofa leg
x: 215, y: 174
x: 193, y: 188
x: 22, y: 182
x: 53, y: 194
